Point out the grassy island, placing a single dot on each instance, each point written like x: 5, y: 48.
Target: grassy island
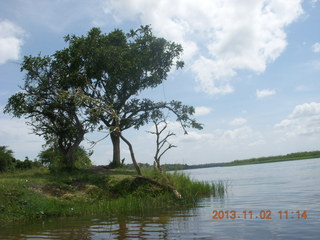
x: 37, y: 193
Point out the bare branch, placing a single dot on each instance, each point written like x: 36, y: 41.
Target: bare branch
x: 162, y: 145
x: 94, y: 143
x: 169, y: 147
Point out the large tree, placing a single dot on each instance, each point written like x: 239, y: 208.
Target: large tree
x: 115, y: 68
x: 47, y: 100
x: 97, y: 78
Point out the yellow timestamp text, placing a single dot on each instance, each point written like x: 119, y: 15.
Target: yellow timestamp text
x: 262, y: 214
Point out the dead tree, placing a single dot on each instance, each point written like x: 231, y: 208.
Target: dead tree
x: 162, y: 143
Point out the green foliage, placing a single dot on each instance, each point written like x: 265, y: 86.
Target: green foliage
x: 115, y: 68
x: 94, y: 83
x: 47, y: 102
x: 53, y: 159
x: 190, y: 189
x: 6, y: 159
x: 194, y: 190
x: 287, y: 157
x: 36, y: 193
x: 26, y: 164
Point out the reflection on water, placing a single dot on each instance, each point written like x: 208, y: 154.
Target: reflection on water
x: 160, y: 225
x: 279, y: 186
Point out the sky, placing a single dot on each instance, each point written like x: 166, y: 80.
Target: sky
x: 252, y: 72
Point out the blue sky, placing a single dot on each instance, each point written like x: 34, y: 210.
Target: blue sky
x: 252, y: 71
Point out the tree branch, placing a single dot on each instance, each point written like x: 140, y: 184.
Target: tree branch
x: 136, y: 165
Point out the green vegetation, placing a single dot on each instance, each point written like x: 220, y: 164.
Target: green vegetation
x: 37, y: 193
x: 288, y: 157
x: 93, y: 84
x: 9, y: 163
x: 52, y: 158
x: 6, y: 159
x: 175, y: 166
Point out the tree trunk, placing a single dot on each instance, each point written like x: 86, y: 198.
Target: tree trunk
x: 71, y: 158
x: 157, y: 163
x: 115, y: 138
x: 69, y: 152
x: 135, y: 164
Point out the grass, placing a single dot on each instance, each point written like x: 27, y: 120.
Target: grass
x: 36, y: 193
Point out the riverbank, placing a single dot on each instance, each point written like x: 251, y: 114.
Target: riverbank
x: 37, y: 194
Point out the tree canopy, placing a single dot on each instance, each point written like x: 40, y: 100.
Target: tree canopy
x: 95, y: 82
x: 47, y: 101
x: 116, y: 67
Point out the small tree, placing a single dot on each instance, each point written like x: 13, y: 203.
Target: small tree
x: 47, y: 101
x: 6, y: 159
x: 52, y: 158
x: 26, y: 164
x: 162, y: 144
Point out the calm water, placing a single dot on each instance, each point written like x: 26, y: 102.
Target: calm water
x: 263, y: 189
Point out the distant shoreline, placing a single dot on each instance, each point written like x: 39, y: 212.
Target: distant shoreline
x: 244, y: 162
x: 270, y: 159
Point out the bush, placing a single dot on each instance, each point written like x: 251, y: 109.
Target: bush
x: 26, y: 164
x: 53, y: 159
x: 6, y: 159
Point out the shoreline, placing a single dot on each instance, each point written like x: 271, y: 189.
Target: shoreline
x: 37, y: 194
x: 270, y: 159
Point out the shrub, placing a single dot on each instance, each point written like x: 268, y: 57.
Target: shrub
x: 52, y: 158
x: 26, y: 164
x: 6, y: 159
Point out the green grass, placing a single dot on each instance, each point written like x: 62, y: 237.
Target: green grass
x: 36, y: 194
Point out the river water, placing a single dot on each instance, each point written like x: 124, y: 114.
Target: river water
x: 264, y: 201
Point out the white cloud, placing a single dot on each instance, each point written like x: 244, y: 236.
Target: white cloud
x: 316, y: 47
x: 314, y: 3
x: 201, y: 111
x: 194, y: 136
x: 17, y: 136
x: 10, y: 41
x: 219, y: 37
x: 172, y: 126
x: 265, y: 93
x: 304, y: 120
x: 305, y: 110
x: 238, y: 122
x: 210, y: 76
x: 239, y: 133
x: 243, y: 136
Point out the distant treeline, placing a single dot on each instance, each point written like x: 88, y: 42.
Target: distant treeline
x: 173, y: 167
x: 287, y: 157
